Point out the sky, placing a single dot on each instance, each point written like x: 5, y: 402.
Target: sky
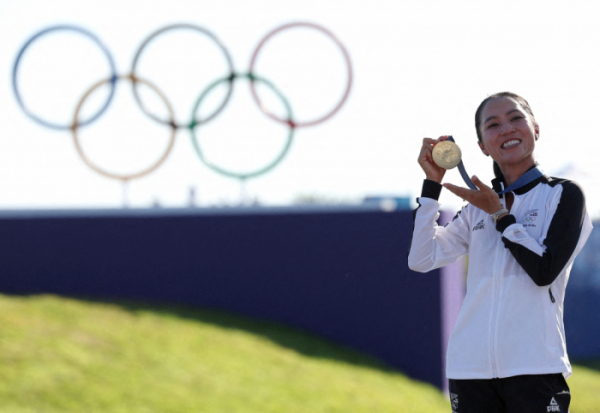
x: 420, y: 69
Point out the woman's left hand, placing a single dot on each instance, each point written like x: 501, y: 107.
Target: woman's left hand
x: 485, y: 199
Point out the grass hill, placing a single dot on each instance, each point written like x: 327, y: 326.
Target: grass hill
x: 66, y: 355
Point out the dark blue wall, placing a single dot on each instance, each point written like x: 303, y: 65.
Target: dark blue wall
x: 582, y: 302
x: 341, y: 274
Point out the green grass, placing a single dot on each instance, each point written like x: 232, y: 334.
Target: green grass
x: 585, y: 387
x: 65, y: 355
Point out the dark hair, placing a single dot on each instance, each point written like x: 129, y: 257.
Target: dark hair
x: 519, y: 99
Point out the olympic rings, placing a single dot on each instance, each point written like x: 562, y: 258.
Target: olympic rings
x: 230, y: 77
x: 262, y: 170
x: 16, y: 71
x: 101, y: 171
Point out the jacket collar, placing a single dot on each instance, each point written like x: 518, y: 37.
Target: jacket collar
x: 522, y: 190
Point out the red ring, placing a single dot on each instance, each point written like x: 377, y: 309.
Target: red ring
x: 346, y: 57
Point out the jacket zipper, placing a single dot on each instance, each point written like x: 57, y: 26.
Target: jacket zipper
x: 551, y: 296
x: 496, y: 298
x: 494, y: 328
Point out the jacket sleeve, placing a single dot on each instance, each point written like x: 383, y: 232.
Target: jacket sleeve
x: 545, y: 259
x: 433, y: 246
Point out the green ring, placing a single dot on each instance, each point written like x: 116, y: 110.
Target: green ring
x: 195, y: 123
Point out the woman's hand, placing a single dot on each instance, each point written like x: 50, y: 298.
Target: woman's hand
x: 432, y: 170
x: 485, y: 199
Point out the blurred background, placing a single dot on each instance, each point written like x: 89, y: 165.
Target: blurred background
x: 420, y: 69
x: 187, y: 289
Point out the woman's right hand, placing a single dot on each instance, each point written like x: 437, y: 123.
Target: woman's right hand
x: 432, y: 171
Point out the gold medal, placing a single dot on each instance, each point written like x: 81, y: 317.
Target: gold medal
x: 446, y: 154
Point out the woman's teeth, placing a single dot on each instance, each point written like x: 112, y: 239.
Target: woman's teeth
x: 511, y: 143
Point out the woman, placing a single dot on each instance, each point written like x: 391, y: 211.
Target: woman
x: 507, y: 352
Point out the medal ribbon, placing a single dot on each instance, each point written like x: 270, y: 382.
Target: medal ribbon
x: 529, y: 176
x: 463, y: 171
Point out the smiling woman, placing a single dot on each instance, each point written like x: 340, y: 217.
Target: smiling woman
x: 507, y: 352
x: 503, y: 114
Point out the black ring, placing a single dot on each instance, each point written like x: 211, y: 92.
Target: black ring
x: 174, y: 27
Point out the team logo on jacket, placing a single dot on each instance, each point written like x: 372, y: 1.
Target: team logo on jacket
x: 530, y: 217
x: 480, y: 225
x: 554, y: 407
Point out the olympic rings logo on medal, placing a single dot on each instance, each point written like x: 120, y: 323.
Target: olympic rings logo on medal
x: 228, y: 79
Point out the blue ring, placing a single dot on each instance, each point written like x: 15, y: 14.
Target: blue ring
x: 113, y: 77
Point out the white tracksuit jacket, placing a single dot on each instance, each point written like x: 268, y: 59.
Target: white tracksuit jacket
x: 511, y: 321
